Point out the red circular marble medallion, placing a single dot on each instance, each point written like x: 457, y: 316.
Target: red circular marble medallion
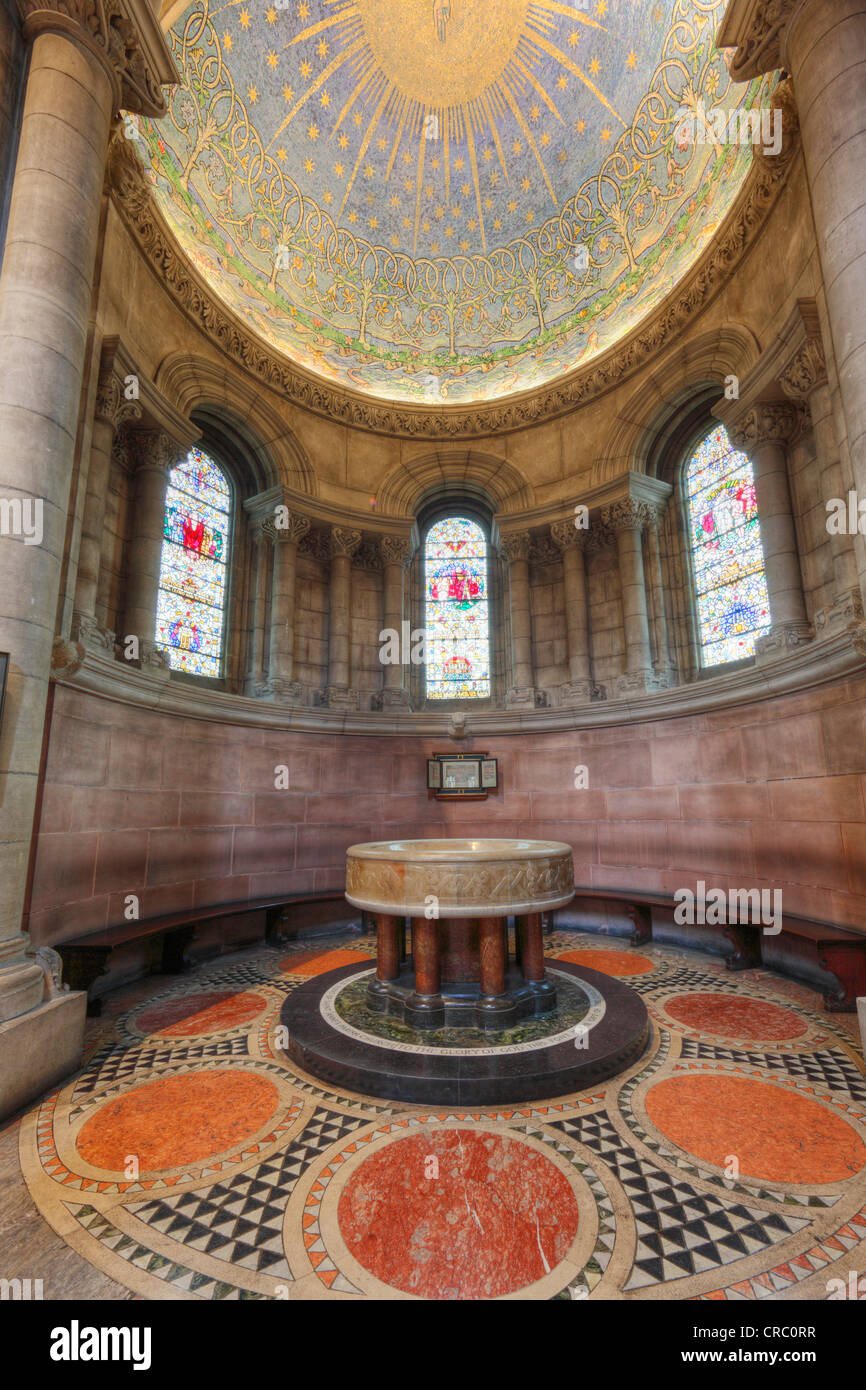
x: 179, y: 1120
x: 213, y: 1012
x: 610, y: 962
x: 775, y: 1134
x: 458, y: 1214
x: 728, y: 1016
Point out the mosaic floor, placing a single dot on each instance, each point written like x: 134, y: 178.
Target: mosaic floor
x: 189, y: 1160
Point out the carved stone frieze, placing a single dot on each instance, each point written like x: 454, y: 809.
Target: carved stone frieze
x: 846, y: 611
x: 392, y: 699
x: 767, y: 423
x: 642, y: 682
x: 781, y: 639
x: 402, y: 886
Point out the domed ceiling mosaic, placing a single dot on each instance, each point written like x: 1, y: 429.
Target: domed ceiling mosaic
x: 444, y: 200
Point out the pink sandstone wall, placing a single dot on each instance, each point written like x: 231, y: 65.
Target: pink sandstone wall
x: 182, y: 812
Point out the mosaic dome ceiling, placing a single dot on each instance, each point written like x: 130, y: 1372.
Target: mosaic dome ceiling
x: 444, y: 200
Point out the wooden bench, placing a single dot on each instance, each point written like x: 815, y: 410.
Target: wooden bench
x: 85, y: 958
x: 840, y: 951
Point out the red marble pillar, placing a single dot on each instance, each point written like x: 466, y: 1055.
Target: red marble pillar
x: 493, y: 955
x: 387, y: 946
x: 531, y: 946
x: 425, y: 940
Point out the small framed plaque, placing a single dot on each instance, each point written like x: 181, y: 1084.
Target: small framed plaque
x: 489, y: 774
x: 434, y: 774
x: 461, y: 774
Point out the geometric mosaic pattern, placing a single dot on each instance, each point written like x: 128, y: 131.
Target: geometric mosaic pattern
x: 257, y: 1215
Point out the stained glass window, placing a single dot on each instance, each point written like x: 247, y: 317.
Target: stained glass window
x: 457, y: 620
x: 190, y: 612
x: 727, y: 554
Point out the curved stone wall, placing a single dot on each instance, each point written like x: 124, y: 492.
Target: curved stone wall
x: 183, y: 811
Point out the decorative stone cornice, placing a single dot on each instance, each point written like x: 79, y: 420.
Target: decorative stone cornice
x: 698, y: 287
x: 806, y: 371
x: 344, y: 542
x: 125, y: 37
x: 768, y: 423
x: 395, y: 550
x: 627, y: 515
x: 756, y: 29
x: 516, y: 546
x: 288, y: 528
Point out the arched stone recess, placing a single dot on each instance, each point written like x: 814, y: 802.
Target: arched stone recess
x: 696, y: 369
x: 225, y: 399
x: 467, y: 472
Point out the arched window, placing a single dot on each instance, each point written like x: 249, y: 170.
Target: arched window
x: 727, y: 554
x: 456, y: 610
x: 190, y: 611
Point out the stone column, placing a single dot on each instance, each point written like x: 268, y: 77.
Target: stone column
x: 762, y: 434
x: 157, y: 454
x: 259, y: 556
x: 285, y: 539
x: 572, y: 543
x: 522, y: 694
x: 657, y: 592
x: 112, y: 411
x: 822, y: 44
x: 627, y: 519
x: 805, y: 379
x: 77, y: 76
x: 395, y: 552
x: 424, y: 1007
x: 343, y: 544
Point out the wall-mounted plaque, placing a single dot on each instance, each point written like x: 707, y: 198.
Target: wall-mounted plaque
x: 462, y: 775
x: 489, y: 773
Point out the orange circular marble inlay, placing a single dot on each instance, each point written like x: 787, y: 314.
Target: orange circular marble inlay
x: 458, y: 1214
x: 610, y: 962
x: 776, y: 1135
x: 180, y: 1120
x: 191, y: 1014
x: 728, y: 1016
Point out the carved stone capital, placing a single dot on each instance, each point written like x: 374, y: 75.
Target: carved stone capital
x: 122, y: 34
x: 627, y: 515
x: 642, y: 682
x: 806, y: 371
x: 339, y: 697
x: 111, y: 402
x: 343, y: 541
x: 526, y: 697
x: 846, y: 611
x: 277, y: 689
x: 566, y: 536
x: 758, y: 35
x: 156, y: 449
x: 285, y: 527
x: 579, y: 693
x: 516, y: 546
x: 395, y: 550
x: 392, y: 699
x: 767, y: 423
x: 782, y: 638
x: 92, y: 635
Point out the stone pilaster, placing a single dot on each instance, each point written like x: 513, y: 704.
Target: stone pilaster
x: 522, y: 693
x: 156, y: 455
x: 762, y: 434
x: 259, y: 556
x: 572, y: 543
x: 284, y: 539
x: 395, y: 552
x: 113, y: 409
x: 805, y: 379
x: 627, y: 519
x: 343, y: 543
